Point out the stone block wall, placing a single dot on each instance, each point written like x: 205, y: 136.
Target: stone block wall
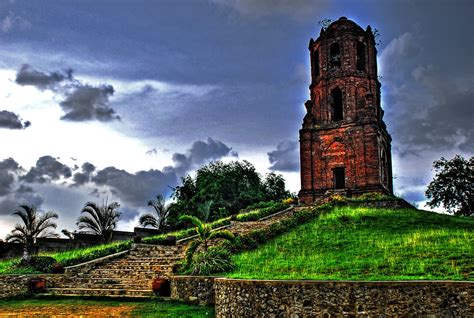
x: 260, y: 298
x: 13, y: 285
x: 197, y: 289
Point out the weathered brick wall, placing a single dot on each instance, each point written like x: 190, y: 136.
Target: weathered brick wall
x: 247, y: 298
x: 12, y: 285
x: 358, y: 141
x: 198, y: 289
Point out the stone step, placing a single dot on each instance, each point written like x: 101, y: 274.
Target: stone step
x: 137, y: 276
x: 92, y: 285
x: 95, y: 280
x: 135, y: 267
x: 101, y: 292
x: 151, y: 260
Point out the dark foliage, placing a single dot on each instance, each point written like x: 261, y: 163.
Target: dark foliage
x: 229, y: 186
x: 453, y: 185
x: 42, y: 264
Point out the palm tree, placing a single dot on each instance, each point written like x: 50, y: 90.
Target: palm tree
x: 205, y: 234
x: 157, y: 220
x: 35, y: 225
x: 99, y: 220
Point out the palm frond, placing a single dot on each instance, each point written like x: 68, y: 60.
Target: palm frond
x: 223, y: 234
x: 192, y: 247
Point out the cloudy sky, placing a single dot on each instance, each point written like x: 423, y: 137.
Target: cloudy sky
x: 119, y: 99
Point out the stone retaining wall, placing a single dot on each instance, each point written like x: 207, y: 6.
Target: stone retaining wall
x: 265, y: 298
x: 198, y: 289
x: 13, y: 285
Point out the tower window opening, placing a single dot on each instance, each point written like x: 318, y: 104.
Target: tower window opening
x: 336, y: 103
x: 360, y: 56
x: 339, y: 178
x: 383, y: 168
x: 335, y: 55
x: 316, y: 64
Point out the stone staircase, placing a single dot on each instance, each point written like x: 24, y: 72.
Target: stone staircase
x: 128, y: 276
x: 130, y: 273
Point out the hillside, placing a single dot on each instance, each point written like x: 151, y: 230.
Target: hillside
x: 367, y: 244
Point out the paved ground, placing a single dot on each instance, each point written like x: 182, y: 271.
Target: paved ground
x: 68, y: 311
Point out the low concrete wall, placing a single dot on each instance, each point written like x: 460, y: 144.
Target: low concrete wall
x: 279, y: 298
x: 13, y: 285
x: 197, y: 289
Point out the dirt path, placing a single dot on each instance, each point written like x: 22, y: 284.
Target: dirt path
x: 68, y: 311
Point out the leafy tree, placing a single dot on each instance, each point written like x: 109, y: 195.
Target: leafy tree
x: 158, y: 220
x: 205, y: 234
x: 274, y: 185
x: 35, y: 225
x: 99, y: 220
x: 453, y: 185
x: 229, y: 186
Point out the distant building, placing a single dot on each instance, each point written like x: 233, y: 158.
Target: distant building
x: 344, y: 143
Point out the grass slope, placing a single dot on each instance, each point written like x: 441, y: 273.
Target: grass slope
x: 367, y: 244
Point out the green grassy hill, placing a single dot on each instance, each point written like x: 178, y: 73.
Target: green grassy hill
x: 367, y: 244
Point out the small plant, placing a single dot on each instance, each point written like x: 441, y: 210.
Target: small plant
x: 57, y: 268
x: 42, y: 264
x: 216, y: 259
x: 205, y: 234
x: 338, y: 199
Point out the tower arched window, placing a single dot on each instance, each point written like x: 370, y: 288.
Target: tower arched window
x: 316, y: 64
x: 360, y: 56
x: 336, y: 104
x: 334, y: 55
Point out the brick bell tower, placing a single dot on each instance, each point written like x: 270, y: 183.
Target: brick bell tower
x: 344, y: 143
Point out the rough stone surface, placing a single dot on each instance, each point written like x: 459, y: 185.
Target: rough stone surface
x: 358, y: 141
x: 13, y: 285
x: 198, y: 289
x: 247, y: 298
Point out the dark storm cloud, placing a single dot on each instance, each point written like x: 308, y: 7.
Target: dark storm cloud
x: 11, y: 120
x: 135, y: 188
x: 27, y: 75
x: 82, y: 101
x: 12, y: 202
x: 201, y: 152
x: 86, y: 102
x: 83, y: 177
x: 47, y: 169
x: 285, y: 157
x: 8, y: 169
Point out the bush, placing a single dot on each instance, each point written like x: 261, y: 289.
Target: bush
x: 216, y: 259
x: 57, y: 269
x: 162, y: 238
x: 42, y: 264
x: 372, y: 196
x: 79, y: 256
x: 258, y: 214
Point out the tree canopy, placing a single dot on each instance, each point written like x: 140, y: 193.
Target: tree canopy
x: 453, y: 185
x: 225, y: 188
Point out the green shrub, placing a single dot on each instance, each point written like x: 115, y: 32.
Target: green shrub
x: 161, y: 239
x: 73, y: 257
x: 42, y: 264
x: 372, y: 196
x: 216, y: 259
x: 263, y: 212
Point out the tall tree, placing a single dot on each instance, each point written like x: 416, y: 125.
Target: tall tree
x: 274, y: 186
x: 35, y: 225
x: 159, y: 218
x: 99, y: 220
x: 453, y: 185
